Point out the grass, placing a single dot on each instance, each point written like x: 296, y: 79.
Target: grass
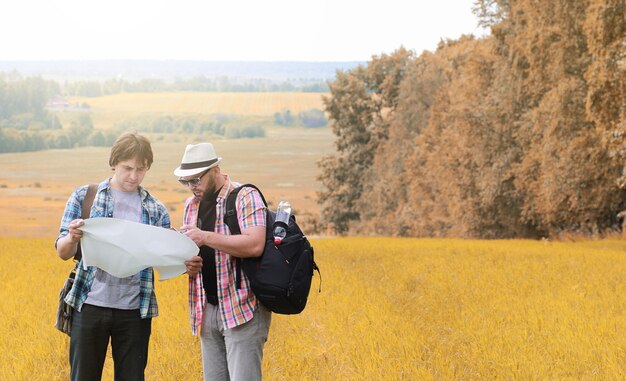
x: 390, y: 309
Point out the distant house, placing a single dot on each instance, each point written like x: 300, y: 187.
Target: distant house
x: 57, y: 103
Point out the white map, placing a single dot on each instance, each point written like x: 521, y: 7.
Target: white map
x: 123, y: 248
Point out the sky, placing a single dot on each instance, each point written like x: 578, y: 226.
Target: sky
x: 227, y: 30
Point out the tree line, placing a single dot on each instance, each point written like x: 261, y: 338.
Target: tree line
x: 312, y: 118
x: 23, y: 101
x: 80, y: 133
x: 518, y: 134
x: 218, y: 124
x: 92, y: 88
x: 26, y: 125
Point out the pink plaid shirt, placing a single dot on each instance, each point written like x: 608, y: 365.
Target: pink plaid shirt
x: 236, y: 306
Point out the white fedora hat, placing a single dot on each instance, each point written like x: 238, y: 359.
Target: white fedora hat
x: 197, y: 159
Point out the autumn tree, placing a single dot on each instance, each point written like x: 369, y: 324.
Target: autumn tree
x: 606, y: 74
x: 565, y: 172
x: 359, y: 104
x: 385, y: 207
x: 519, y: 134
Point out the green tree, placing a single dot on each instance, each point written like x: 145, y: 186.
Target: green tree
x: 88, y: 89
x: 283, y: 118
x: 80, y: 130
x: 312, y: 118
x: 62, y: 142
x: 96, y: 139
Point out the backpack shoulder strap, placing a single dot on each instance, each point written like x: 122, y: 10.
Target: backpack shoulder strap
x: 85, y: 211
x: 230, y: 219
x: 230, y: 216
x: 88, y: 201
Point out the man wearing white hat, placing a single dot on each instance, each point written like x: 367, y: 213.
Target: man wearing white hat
x: 233, y: 324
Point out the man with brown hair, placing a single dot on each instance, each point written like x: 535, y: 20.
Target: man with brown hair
x: 107, y: 307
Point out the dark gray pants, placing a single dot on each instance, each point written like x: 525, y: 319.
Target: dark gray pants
x: 91, y: 330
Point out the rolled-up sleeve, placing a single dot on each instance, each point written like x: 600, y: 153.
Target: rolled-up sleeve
x: 250, y: 208
x: 72, y: 211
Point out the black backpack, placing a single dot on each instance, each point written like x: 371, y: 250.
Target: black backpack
x: 281, y: 277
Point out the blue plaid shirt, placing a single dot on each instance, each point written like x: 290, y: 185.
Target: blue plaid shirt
x: 153, y: 213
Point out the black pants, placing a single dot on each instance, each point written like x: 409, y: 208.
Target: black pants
x: 91, y: 330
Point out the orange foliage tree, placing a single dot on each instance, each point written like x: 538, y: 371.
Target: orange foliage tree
x: 519, y: 134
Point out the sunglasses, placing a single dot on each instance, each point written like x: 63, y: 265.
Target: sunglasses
x: 194, y: 182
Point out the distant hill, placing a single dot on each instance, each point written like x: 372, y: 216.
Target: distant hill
x: 133, y: 70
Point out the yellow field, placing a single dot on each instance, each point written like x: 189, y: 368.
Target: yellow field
x: 205, y: 103
x: 109, y: 109
x: 390, y: 309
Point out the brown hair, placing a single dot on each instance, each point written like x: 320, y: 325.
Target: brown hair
x: 130, y: 145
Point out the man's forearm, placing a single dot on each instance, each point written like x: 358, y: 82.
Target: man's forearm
x: 246, y: 245
x: 66, y: 248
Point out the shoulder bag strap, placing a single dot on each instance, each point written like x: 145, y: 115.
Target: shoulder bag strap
x: 85, y: 211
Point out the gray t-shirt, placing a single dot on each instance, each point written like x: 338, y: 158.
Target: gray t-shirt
x: 107, y: 290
